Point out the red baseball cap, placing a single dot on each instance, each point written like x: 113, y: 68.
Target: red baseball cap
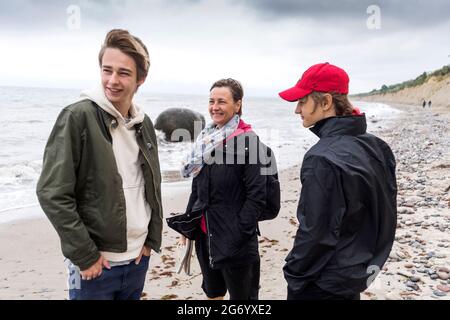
x: 322, y: 77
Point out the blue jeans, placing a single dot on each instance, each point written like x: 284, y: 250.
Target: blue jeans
x: 120, y: 283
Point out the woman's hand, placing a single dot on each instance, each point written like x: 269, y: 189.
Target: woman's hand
x: 182, y: 241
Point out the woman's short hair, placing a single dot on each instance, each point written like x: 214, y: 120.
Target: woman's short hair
x: 235, y: 87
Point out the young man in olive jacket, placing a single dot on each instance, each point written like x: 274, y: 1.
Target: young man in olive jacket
x: 100, y: 184
x: 348, y: 209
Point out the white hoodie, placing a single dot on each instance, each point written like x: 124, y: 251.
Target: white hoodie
x: 126, y: 151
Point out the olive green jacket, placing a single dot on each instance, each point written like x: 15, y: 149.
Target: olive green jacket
x: 80, y: 188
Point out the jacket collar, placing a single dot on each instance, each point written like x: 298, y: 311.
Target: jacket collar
x: 339, y: 126
x: 97, y: 95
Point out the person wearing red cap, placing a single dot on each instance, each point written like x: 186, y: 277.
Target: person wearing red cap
x: 348, y: 209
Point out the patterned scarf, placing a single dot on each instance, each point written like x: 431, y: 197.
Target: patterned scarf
x: 210, y: 138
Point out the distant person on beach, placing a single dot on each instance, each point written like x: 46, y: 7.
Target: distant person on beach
x: 100, y: 184
x: 229, y: 192
x: 424, y: 104
x: 429, y: 104
x: 347, y: 209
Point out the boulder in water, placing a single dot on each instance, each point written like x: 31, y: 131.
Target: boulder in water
x: 180, y: 124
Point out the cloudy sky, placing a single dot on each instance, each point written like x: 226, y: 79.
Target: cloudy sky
x: 264, y: 44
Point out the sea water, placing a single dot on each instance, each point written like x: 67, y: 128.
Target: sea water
x: 28, y: 115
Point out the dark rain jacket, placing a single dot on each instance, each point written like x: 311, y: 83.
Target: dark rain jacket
x: 347, y: 209
x: 231, y: 193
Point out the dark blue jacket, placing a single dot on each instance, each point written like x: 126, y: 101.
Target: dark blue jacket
x: 347, y: 210
x: 231, y: 193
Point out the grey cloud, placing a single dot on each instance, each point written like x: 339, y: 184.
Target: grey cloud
x: 51, y: 15
x: 413, y: 13
x: 25, y: 14
x: 45, y: 14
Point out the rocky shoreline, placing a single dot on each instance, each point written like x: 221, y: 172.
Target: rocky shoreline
x: 418, y: 266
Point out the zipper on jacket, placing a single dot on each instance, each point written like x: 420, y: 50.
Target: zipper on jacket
x: 211, y: 261
x: 139, y: 142
x: 148, y: 161
x: 159, y: 204
x: 113, y: 124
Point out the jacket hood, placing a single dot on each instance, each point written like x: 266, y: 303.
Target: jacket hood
x: 338, y: 126
x: 97, y: 95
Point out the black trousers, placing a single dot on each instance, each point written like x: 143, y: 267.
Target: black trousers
x: 313, y: 292
x: 241, y: 282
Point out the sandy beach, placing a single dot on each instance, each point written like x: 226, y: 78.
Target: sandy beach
x: 418, y: 268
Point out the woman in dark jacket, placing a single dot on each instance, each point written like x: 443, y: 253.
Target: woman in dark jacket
x: 229, y: 189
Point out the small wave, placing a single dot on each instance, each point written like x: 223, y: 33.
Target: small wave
x: 33, y: 121
x: 19, y: 174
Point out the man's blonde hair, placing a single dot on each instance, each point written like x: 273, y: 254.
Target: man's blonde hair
x: 342, y: 105
x: 131, y: 46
